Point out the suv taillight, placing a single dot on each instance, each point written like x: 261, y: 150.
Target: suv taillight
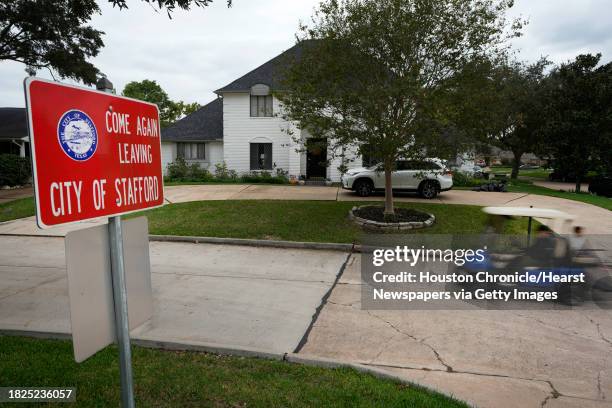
x: 447, y: 172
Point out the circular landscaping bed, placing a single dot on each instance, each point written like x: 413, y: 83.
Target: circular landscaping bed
x: 373, y: 217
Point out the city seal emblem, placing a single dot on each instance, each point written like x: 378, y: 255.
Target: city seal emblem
x: 77, y: 135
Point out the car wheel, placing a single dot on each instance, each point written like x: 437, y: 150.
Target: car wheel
x: 428, y: 190
x: 363, y: 188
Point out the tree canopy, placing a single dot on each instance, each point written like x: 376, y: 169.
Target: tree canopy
x: 578, y: 117
x: 150, y: 91
x: 376, y: 75
x: 55, y: 35
x: 170, y: 5
x: 51, y: 34
x: 513, y: 102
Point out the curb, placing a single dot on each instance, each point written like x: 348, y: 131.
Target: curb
x: 211, y: 348
x: 329, y: 246
x: 254, y: 242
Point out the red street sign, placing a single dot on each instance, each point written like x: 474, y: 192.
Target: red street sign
x: 94, y: 154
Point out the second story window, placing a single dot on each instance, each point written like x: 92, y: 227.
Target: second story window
x: 261, y: 106
x: 261, y: 101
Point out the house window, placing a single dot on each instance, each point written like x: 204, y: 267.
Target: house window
x: 261, y: 106
x: 261, y: 156
x: 191, y: 151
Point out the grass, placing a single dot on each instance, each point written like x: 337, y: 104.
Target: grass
x: 540, y: 173
x: 23, y: 207
x: 188, y: 379
x: 519, y: 186
x: 311, y: 221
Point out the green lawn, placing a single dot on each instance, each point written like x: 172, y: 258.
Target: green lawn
x: 519, y: 186
x: 533, y: 173
x: 312, y: 221
x: 23, y: 207
x: 187, y: 379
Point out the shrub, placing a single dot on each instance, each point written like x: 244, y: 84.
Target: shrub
x: 178, y: 170
x: 461, y: 179
x: 14, y: 170
x: 233, y: 175
x: 197, y: 173
x: 221, y: 171
x: 263, y: 177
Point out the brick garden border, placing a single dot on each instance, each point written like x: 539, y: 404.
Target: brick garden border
x: 390, y: 226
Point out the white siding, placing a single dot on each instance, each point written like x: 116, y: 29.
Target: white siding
x: 352, y: 161
x: 168, y: 154
x: 333, y: 174
x: 239, y: 129
x: 213, y: 155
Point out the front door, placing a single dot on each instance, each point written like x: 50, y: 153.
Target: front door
x: 316, y: 158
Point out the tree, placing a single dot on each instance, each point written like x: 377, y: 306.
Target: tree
x: 54, y: 34
x: 515, y: 100
x: 151, y: 91
x: 579, y: 116
x: 170, y: 5
x: 189, y: 108
x: 375, y: 74
x: 51, y: 34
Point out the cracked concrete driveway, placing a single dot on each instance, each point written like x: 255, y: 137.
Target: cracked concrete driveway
x: 234, y: 296
x: 522, y: 358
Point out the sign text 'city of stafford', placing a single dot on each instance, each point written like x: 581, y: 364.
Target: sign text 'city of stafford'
x: 94, y: 154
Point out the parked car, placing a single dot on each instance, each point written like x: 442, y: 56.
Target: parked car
x: 602, y: 186
x: 427, y: 177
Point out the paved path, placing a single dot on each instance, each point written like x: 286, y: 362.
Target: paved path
x: 497, y: 359
x: 560, y: 186
x: 245, y: 297
x: 13, y: 194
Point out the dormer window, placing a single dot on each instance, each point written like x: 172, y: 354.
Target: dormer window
x: 261, y: 101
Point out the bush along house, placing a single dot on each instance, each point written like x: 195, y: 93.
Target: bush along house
x: 244, y: 129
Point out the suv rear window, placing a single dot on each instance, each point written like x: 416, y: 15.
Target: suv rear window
x: 417, y: 165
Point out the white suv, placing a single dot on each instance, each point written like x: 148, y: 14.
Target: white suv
x: 427, y: 177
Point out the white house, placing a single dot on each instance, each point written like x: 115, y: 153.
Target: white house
x: 243, y: 127
x: 14, y: 137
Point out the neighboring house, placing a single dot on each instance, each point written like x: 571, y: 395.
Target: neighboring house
x: 499, y: 156
x: 14, y: 132
x: 243, y: 127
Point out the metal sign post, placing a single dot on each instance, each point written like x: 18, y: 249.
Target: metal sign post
x: 100, y: 156
x: 121, y: 312
x: 122, y: 328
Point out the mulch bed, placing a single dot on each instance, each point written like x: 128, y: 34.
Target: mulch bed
x: 401, y: 214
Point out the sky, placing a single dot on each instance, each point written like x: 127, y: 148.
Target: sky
x: 203, y: 49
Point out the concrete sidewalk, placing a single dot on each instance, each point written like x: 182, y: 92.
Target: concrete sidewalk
x: 242, y: 297
x: 490, y: 358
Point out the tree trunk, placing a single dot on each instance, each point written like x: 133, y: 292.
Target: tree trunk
x: 515, y: 165
x: 578, y: 182
x: 389, y: 210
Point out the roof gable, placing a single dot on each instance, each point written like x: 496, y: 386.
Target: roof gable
x: 268, y: 74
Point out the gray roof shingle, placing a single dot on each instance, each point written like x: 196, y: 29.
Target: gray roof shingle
x: 205, y: 124
x: 13, y: 123
x: 267, y: 74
